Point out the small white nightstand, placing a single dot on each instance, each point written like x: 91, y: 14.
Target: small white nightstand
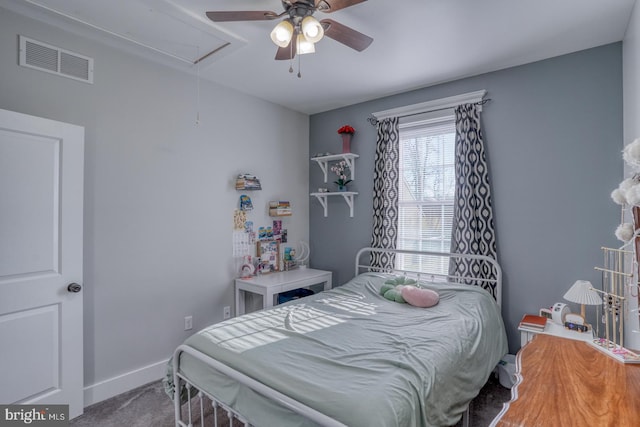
x: 554, y: 329
x: 270, y: 285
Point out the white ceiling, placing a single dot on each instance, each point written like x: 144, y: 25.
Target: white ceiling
x: 417, y: 43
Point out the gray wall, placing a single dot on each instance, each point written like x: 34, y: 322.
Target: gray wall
x: 631, y: 86
x: 159, y: 191
x: 553, y: 134
x: 631, y: 77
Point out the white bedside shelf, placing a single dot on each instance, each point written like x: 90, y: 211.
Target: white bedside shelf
x: 554, y: 329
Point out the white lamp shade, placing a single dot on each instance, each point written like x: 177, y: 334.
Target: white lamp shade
x: 582, y: 293
x: 312, y: 29
x: 282, y: 33
x: 304, y: 45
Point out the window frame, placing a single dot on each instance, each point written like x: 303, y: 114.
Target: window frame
x: 424, y: 120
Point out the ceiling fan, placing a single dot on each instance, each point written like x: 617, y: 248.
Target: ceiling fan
x: 299, y: 30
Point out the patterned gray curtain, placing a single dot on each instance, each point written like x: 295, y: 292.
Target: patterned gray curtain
x: 472, y: 229
x: 385, y: 192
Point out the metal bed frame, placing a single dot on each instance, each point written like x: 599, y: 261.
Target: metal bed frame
x: 179, y: 380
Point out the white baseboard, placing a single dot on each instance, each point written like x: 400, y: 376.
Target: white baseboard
x: 122, y: 383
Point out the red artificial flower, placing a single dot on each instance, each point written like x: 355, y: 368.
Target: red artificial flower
x: 346, y: 129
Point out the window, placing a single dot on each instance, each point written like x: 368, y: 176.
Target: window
x: 426, y: 190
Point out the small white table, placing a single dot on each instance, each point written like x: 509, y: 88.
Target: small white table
x: 270, y: 285
x: 554, y: 329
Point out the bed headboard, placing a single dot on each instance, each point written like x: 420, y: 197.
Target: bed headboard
x: 491, y: 285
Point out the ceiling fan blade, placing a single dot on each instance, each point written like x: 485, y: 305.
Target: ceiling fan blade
x: 287, y: 52
x: 345, y: 35
x: 328, y: 6
x: 242, y: 15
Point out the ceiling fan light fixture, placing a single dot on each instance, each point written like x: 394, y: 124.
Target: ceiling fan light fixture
x: 312, y: 29
x: 304, y: 45
x: 282, y: 33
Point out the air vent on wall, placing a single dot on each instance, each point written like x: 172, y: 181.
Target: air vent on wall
x: 52, y: 59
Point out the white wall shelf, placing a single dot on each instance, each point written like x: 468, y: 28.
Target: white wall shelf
x: 347, y: 195
x: 323, y: 162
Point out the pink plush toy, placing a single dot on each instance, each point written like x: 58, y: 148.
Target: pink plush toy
x: 419, y: 297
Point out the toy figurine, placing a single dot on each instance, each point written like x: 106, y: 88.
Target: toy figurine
x: 247, y: 269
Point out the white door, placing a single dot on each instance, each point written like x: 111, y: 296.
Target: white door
x: 41, y: 193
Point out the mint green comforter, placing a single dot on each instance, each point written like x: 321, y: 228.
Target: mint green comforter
x: 357, y: 357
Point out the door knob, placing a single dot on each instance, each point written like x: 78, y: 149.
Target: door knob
x: 74, y: 287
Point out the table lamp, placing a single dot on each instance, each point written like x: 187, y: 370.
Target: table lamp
x: 582, y: 293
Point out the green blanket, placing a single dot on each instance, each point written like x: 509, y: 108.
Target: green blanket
x: 357, y: 357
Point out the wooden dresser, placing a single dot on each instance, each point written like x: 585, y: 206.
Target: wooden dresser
x: 565, y: 382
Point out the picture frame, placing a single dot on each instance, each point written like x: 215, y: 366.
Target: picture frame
x: 268, y: 255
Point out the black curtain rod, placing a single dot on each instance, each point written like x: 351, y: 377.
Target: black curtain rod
x: 374, y: 121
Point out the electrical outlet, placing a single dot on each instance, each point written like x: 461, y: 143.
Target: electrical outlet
x: 227, y: 312
x: 188, y: 323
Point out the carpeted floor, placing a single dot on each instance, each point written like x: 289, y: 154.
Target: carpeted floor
x: 149, y: 406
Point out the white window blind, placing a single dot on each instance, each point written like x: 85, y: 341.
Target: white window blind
x: 427, y: 187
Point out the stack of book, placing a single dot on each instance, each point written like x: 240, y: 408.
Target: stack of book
x: 533, y: 322
x: 247, y: 182
x: 280, y: 208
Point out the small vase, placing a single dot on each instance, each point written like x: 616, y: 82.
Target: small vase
x: 346, y: 142
x: 342, y: 188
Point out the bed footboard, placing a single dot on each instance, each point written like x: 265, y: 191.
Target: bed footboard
x: 215, y: 404
x: 179, y: 380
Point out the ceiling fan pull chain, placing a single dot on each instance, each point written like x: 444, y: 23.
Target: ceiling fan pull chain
x: 299, y: 75
x: 291, y: 56
x: 198, y: 87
